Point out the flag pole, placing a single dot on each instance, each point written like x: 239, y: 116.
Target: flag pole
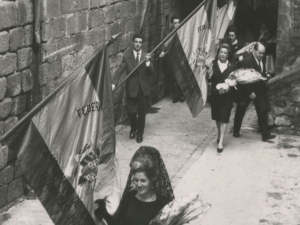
x: 162, y: 42
x: 35, y: 109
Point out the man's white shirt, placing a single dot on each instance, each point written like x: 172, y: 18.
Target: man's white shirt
x: 140, y: 53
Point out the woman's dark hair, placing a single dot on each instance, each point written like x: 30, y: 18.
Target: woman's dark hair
x: 231, y: 29
x: 137, y: 36
x: 146, y: 165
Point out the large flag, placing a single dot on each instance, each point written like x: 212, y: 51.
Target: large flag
x: 191, y: 46
x: 67, y: 149
x: 225, y: 17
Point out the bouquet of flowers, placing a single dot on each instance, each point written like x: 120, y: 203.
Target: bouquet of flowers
x: 244, y: 76
x: 181, y: 211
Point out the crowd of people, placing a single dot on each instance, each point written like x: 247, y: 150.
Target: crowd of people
x: 148, y: 187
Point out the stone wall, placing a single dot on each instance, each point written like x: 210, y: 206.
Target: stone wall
x: 71, y: 31
x: 16, y: 82
x: 288, y: 34
x: 284, y: 92
x: 285, y: 102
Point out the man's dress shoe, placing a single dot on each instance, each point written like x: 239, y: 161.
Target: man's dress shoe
x: 132, y: 135
x: 139, y: 139
x: 236, y: 134
x: 267, y: 137
x: 219, y: 150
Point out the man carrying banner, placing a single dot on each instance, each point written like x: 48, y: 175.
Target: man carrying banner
x: 138, y: 86
x: 177, y: 93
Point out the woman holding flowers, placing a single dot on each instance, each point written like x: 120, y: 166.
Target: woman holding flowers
x: 221, y: 93
x: 147, y: 191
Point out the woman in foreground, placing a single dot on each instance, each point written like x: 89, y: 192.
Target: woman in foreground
x: 147, y: 191
x: 221, y: 94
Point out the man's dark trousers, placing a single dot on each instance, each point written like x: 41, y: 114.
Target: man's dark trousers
x: 137, y: 109
x: 260, y: 103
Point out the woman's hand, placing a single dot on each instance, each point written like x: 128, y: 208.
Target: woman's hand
x: 223, y: 91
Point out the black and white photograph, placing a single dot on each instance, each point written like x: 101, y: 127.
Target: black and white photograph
x: 149, y: 112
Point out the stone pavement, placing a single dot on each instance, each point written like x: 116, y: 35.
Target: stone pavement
x: 251, y: 182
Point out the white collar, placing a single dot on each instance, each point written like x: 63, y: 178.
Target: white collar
x: 135, y: 52
x: 235, y: 42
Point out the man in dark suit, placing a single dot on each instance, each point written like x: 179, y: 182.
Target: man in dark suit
x: 138, y: 86
x: 255, y: 92
x: 177, y: 93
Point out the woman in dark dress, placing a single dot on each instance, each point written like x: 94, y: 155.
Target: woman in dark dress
x: 147, y: 191
x: 221, y: 99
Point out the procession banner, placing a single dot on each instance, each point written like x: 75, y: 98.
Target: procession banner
x: 191, y: 46
x: 225, y: 16
x: 67, y: 149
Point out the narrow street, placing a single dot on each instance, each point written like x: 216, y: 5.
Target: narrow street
x: 251, y: 182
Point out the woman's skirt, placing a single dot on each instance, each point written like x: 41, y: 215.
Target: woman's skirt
x: 221, y: 106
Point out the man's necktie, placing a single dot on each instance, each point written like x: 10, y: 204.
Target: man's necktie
x: 137, y: 58
x: 260, y: 65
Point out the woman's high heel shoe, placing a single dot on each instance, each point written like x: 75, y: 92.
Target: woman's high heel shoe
x: 219, y: 150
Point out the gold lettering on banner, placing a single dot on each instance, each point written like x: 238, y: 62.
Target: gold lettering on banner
x: 203, y: 27
x: 85, y: 110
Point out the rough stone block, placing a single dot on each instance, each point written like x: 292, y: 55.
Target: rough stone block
x: 8, y: 173
x: 46, y: 30
x: 72, y: 24
x: 16, y: 39
x: 68, y: 64
x: 295, y: 94
x: 53, y: 9
x: 13, y: 86
x: 5, y: 107
x: 8, y: 15
x: 83, y: 4
x: 2, y: 87
x: 55, y: 70
x: 3, y: 155
x: 109, y: 14
x: 103, y: 2
x: 83, y: 21
x: 28, y: 39
x: 79, y: 41
x: 96, y: 18
x: 129, y: 26
x: 59, y: 27
x: 118, y: 11
x: 3, y: 194
x: 19, y: 171
x: 44, y: 73
x: 94, y: 3
x: 283, y: 121
x: 49, y: 51
x: 19, y: 105
x: 24, y: 58
x: 10, y: 122
x: 8, y: 64
x: 93, y: 36
x: 126, y: 41
x: 4, y: 42
x: 112, y: 29
x: 15, y: 190
x: 25, y: 11
x: 64, y: 47
x: 68, y: 6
